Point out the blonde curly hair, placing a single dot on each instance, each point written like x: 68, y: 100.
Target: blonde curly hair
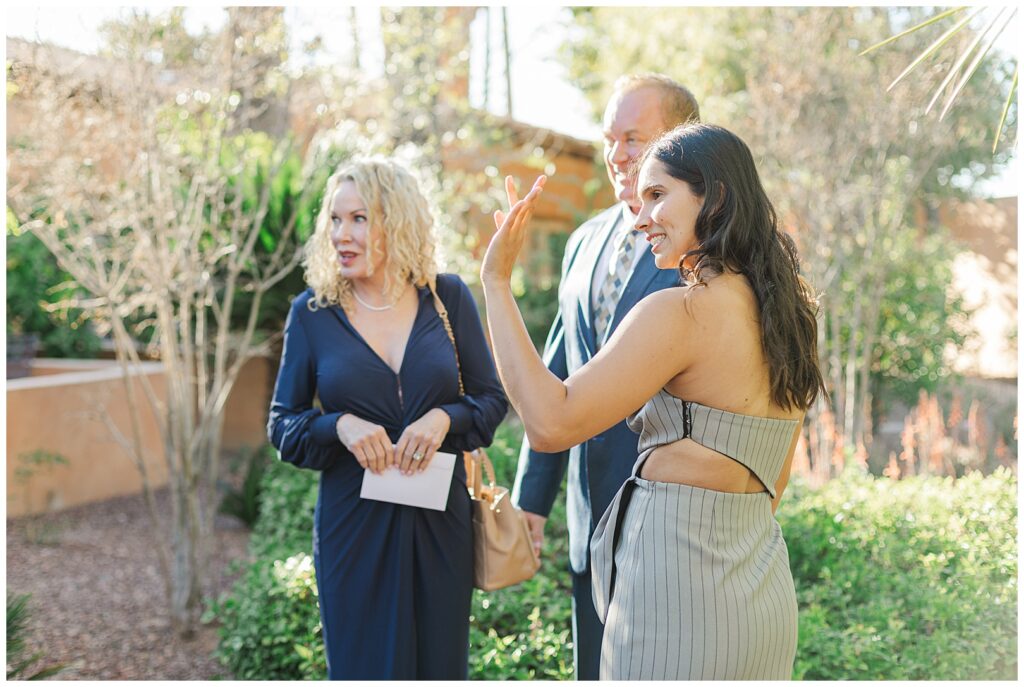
x: 401, y: 228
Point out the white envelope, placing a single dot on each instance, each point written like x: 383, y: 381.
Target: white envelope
x: 427, y: 489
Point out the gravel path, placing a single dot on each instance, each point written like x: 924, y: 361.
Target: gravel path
x: 97, y: 603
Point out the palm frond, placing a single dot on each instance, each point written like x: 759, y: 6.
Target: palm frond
x: 979, y: 48
x: 1006, y: 110
x: 926, y: 22
x: 974, y: 65
x: 939, y: 42
x: 960, y: 62
x: 18, y: 667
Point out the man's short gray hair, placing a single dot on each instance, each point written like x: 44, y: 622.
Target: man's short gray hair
x: 678, y: 106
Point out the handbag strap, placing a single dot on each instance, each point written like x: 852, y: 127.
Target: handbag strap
x: 476, y: 460
x: 474, y: 480
x: 443, y: 313
x: 478, y: 464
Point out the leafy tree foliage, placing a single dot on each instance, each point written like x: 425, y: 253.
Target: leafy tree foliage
x: 160, y: 208
x: 36, y: 282
x: 845, y: 162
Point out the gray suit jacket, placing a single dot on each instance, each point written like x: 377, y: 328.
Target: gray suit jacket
x: 598, y: 467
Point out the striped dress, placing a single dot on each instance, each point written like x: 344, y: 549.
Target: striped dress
x: 693, y: 583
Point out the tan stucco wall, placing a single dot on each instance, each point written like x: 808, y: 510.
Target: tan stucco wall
x: 245, y: 413
x: 986, y: 276
x: 55, y: 411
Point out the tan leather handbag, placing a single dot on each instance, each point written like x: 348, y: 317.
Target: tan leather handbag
x: 503, y: 552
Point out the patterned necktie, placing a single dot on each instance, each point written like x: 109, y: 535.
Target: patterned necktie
x: 619, y: 268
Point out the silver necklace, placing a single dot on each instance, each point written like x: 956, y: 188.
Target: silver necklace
x: 375, y: 308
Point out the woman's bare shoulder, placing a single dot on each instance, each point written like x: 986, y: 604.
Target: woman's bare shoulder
x: 722, y: 292
x: 727, y: 292
x: 665, y: 303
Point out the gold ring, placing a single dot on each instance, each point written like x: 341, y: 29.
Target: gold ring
x: 418, y: 455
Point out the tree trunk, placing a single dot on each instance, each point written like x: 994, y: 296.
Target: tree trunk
x: 487, y: 58
x: 835, y: 360
x: 186, y: 542
x: 508, y: 61
x: 850, y: 369
x: 354, y: 26
x: 862, y: 426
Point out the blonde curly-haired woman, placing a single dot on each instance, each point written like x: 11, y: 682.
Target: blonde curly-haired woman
x: 394, y: 581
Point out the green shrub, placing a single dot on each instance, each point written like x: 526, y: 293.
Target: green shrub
x: 19, y: 666
x: 35, y: 280
x: 911, y: 580
x: 524, y: 632
x: 905, y: 580
x: 287, y: 500
x: 270, y: 625
x: 244, y: 502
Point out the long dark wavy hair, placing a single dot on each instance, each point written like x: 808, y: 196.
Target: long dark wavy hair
x: 737, y: 230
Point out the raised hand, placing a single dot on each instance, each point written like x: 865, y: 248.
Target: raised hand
x: 508, y: 240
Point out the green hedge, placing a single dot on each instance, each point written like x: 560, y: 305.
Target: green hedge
x: 895, y: 580
x: 524, y: 632
x: 270, y: 626
x: 907, y: 580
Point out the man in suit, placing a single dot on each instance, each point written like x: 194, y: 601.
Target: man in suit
x: 606, y: 270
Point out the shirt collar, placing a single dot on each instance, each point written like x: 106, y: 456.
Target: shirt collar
x: 627, y: 220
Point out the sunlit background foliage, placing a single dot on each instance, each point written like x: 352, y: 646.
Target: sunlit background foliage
x: 903, y: 549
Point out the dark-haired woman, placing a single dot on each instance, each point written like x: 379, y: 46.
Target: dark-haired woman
x: 691, y: 573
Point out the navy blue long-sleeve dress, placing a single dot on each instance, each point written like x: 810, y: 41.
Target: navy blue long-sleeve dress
x: 395, y: 582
